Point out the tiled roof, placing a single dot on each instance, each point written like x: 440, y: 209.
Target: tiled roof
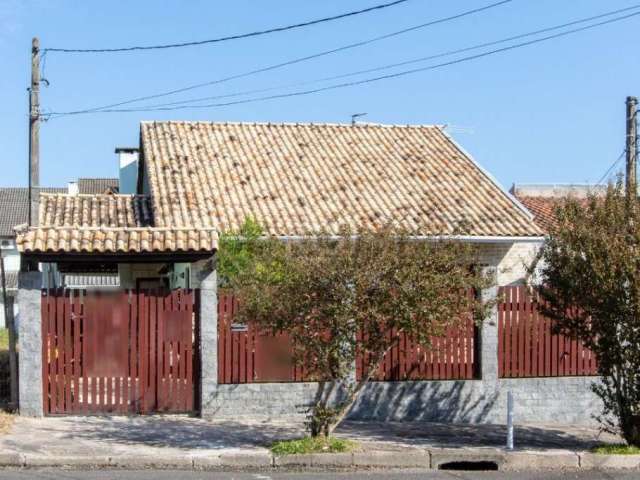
x: 543, y: 210
x: 115, y: 240
x: 98, y: 185
x: 14, y: 206
x: 107, y: 224
x: 296, y: 179
x: 95, y: 211
x: 14, y: 201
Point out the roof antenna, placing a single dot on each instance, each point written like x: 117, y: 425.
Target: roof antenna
x: 354, y: 116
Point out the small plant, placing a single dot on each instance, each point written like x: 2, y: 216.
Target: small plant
x: 617, y: 449
x: 319, y: 419
x: 312, y: 445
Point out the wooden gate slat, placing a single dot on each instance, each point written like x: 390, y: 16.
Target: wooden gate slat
x: 192, y: 323
x: 46, y: 380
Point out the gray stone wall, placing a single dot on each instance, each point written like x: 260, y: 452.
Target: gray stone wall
x: 563, y: 400
x: 559, y: 400
x: 30, y: 344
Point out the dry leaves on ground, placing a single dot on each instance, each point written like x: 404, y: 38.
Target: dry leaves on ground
x: 6, y: 420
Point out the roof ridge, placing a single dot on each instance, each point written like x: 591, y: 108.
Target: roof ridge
x: 98, y: 178
x: 296, y: 124
x: 107, y: 195
x: 22, y: 229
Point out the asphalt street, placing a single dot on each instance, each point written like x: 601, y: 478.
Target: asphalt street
x: 417, y: 475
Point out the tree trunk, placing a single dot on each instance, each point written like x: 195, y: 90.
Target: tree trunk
x: 354, y: 393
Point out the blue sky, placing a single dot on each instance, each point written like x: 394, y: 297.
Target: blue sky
x: 551, y: 112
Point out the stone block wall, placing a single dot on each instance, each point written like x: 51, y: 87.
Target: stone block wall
x: 562, y: 400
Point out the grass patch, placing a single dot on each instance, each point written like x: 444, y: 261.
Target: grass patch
x: 312, y: 445
x: 617, y: 449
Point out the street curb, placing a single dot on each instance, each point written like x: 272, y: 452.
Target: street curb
x: 547, y: 460
x: 70, y: 461
x: 400, y: 459
x: 594, y: 461
x: 428, y: 458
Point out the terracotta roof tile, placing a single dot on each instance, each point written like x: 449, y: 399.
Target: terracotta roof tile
x: 95, y: 211
x: 116, y: 240
x: 303, y: 178
x: 543, y: 210
x: 107, y: 224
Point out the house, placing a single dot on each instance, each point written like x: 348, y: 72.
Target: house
x: 160, y: 349
x: 542, y: 199
x: 14, y: 211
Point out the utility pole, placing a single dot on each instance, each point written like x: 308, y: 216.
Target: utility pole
x: 34, y: 126
x: 632, y: 148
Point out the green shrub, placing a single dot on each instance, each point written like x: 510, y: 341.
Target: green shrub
x: 312, y: 445
x: 617, y: 449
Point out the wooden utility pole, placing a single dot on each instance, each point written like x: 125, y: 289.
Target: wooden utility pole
x: 632, y: 148
x: 34, y: 126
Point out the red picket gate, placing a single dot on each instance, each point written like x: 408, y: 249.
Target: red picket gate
x: 527, y: 346
x: 123, y: 352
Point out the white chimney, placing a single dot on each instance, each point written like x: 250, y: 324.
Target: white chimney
x: 72, y: 188
x: 128, y: 162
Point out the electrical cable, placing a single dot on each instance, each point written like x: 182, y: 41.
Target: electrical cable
x: 291, y: 62
x: 231, y: 37
x: 393, y: 65
x: 368, y: 80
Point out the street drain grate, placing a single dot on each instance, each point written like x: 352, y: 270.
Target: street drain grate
x: 478, y: 466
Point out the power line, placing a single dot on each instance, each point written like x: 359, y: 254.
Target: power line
x: 293, y: 61
x: 394, y: 65
x: 231, y: 37
x: 617, y: 160
x: 374, y: 79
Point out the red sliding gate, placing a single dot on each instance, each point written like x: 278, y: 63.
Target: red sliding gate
x: 125, y: 352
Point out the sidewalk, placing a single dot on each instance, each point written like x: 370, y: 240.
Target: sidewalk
x: 192, y: 443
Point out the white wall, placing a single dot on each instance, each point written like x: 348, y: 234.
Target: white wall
x: 511, y: 260
x: 128, y: 176
x: 11, y: 255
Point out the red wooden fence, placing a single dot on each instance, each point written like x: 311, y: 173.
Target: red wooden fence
x: 450, y: 357
x: 528, y: 348
x: 245, y: 356
x: 117, y: 352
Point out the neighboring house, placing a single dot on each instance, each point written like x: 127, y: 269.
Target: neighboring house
x: 97, y: 185
x: 542, y: 199
x: 14, y: 211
